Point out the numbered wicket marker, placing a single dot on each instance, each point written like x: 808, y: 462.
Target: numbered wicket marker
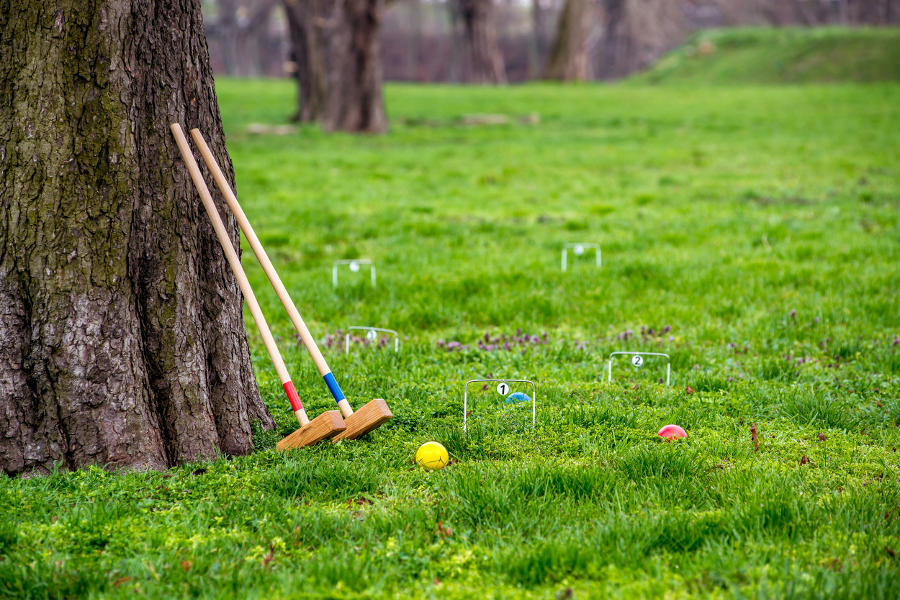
x: 637, y: 360
x: 371, y: 335
x: 509, y: 400
x: 580, y: 249
x: 354, y: 265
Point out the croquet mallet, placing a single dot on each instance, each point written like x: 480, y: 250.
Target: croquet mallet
x: 367, y: 418
x: 328, y: 423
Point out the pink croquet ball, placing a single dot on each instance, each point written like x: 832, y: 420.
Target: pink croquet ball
x: 671, y: 432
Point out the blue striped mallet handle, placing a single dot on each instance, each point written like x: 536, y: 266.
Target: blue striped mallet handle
x: 271, y: 273
x: 235, y: 263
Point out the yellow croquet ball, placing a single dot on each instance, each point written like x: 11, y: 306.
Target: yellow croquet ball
x: 432, y: 456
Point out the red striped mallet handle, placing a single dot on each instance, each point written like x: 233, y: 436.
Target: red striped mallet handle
x: 236, y: 268
x: 271, y: 273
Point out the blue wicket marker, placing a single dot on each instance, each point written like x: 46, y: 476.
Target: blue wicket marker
x: 518, y: 397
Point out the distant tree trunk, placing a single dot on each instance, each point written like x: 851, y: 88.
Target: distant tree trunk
x: 228, y: 32
x: 638, y: 32
x: 251, y: 33
x: 354, y: 99
x: 456, y: 42
x: 307, y: 24
x: 240, y: 40
x: 538, y: 46
x: 568, y: 60
x: 482, y: 61
x: 122, y: 339
x: 414, y: 49
x: 336, y: 50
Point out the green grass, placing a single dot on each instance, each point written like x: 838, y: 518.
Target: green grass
x: 750, y: 232
x: 787, y: 55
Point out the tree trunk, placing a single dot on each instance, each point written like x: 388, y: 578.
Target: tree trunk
x: 336, y: 50
x: 481, y: 58
x: 354, y: 99
x: 568, y: 59
x: 414, y: 47
x: 537, y: 44
x: 251, y: 34
x: 307, y: 23
x: 228, y: 28
x: 638, y: 32
x: 122, y: 340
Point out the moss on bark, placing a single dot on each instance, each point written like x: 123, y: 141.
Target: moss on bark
x: 122, y: 339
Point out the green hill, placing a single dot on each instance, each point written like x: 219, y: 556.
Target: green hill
x: 788, y: 55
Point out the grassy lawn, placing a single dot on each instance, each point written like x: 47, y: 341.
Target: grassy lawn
x: 749, y: 232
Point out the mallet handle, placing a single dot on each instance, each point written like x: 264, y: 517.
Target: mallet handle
x: 271, y: 273
x: 236, y: 268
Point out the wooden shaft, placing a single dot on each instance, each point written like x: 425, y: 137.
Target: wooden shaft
x: 269, y: 268
x: 236, y: 268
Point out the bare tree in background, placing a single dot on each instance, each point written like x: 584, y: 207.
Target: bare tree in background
x: 413, y: 51
x: 226, y: 27
x: 568, y: 59
x: 253, y: 23
x: 538, y: 47
x: 338, y: 63
x: 308, y: 22
x: 354, y: 101
x: 805, y: 12
x: 425, y: 40
x: 637, y: 33
x: 481, y: 61
x: 240, y: 35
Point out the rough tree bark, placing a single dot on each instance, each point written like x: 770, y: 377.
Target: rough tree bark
x: 122, y: 339
x: 336, y: 49
x: 568, y: 59
x: 482, y: 61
